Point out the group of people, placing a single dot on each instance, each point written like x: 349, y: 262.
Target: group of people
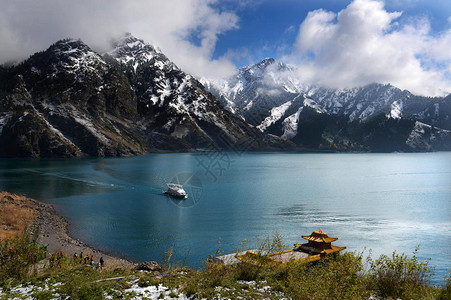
x: 89, y: 260
x: 55, y: 259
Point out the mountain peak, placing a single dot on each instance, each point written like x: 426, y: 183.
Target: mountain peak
x: 133, y: 51
x: 69, y: 47
x: 261, y: 65
x: 128, y: 41
x: 69, y: 55
x: 266, y: 62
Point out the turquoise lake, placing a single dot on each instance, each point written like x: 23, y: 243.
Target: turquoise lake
x: 382, y: 202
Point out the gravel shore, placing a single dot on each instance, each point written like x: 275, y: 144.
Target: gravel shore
x: 52, y: 229
x: 53, y: 232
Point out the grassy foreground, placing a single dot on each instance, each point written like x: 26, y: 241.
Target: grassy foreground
x: 340, y: 277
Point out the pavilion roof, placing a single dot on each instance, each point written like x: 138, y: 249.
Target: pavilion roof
x: 319, y: 237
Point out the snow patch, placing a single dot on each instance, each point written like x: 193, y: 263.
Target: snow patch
x: 290, y: 125
x: 310, y: 103
x: 249, y: 105
x: 35, y: 70
x: 437, y: 109
x: 369, y: 111
x: 396, y: 109
x: 153, y: 292
x: 415, y: 137
x: 27, y: 291
x: 275, y: 115
x: 88, y: 125
x: 56, y: 131
x: 4, y: 118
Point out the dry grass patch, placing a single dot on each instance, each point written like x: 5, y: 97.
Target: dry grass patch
x: 16, y: 213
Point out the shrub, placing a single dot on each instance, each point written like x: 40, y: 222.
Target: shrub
x: 334, y: 277
x: 270, y: 245
x: 18, y: 255
x: 446, y: 291
x: 399, y: 276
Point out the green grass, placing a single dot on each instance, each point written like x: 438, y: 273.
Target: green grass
x: 343, y: 276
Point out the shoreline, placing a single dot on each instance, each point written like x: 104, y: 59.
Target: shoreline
x: 52, y: 230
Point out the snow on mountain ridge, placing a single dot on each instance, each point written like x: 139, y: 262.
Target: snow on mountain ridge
x: 276, y: 114
x: 73, y: 55
x: 290, y: 125
x: 270, y: 76
x: 133, y: 51
x: 170, y: 98
x: 271, y: 96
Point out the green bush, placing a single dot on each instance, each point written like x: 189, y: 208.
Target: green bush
x: 446, y: 291
x: 399, y: 276
x: 17, y: 256
x: 334, y: 277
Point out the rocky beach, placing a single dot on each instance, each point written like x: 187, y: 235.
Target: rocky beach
x: 51, y: 228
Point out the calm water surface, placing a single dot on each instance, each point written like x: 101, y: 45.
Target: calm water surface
x: 383, y: 202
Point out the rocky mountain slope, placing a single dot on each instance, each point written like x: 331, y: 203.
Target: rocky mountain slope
x: 69, y: 101
x: 177, y: 111
x: 269, y: 96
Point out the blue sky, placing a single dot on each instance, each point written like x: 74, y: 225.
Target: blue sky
x: 332, y: 43
x: 413, y: 38
x: 269, y: 28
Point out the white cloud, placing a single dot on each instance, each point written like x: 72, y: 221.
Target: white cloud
x: 363, y: 44
x: 28, y: 26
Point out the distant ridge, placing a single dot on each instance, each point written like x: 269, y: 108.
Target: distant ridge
x: 376, y: 117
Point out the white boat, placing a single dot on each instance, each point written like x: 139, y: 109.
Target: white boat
x: 176, y: 190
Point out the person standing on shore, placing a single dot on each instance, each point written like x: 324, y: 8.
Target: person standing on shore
x: 101, y: 263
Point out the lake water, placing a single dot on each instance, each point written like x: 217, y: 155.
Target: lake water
x: 383, y: 202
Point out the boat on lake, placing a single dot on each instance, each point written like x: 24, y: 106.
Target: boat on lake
x: 318, y: 246
x: 176, y: 190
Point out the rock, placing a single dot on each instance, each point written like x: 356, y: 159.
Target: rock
x: 161, y: 275
x: 148, y: 266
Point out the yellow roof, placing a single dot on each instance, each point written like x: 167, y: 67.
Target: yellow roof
x: 319, y: 237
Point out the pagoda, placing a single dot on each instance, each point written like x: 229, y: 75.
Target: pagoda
x: 318, y: 246
x: 318, y: 243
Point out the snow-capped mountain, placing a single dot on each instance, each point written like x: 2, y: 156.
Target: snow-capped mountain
x: 70, y: 101
x: 271, y: 83
x: 174, y: 104
x: 256, y: 89
x: 269, y: 96
x: 67, y: 101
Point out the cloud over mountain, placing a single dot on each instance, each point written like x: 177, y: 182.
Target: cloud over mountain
x: 186, y: 30
x: 364, y: 43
